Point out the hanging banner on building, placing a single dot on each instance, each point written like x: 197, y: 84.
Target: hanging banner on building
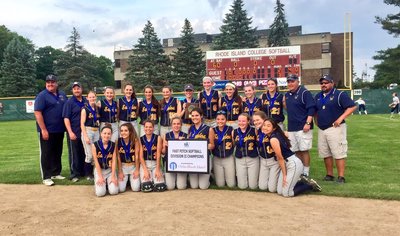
x: 254, y: 65
x: 187, y: 156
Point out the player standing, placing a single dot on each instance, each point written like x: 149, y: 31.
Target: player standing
x: 149, y: 109
x: 394, y: 105
x: 187, y: 105
x: 169, y: 107
x: 232, y: 104
x: 209, y: 101
x: 108, y: 112
x: 273, y: 102
x: 252, y: 103
x: 128, y: 107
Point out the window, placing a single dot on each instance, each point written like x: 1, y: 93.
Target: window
x: 118, y: 84
x: 326, y: 47
x: 117, y: 63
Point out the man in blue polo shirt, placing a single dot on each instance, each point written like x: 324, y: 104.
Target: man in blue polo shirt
x: 300, y: 106
x: 333, y: 106
x: 48, y: 108
x: 72, y: 120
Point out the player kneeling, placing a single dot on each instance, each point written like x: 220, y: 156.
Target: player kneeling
x: 127, y: 153
x: 105, y: 163
x: 150, y: 159
x: 290, y: 165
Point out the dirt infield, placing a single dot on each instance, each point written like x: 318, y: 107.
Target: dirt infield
x: 74, y: 210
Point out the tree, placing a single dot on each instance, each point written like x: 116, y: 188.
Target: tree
x: 45, y: 57
x: 5, y: 38
x: 388, y: 71
x: 148, y: 64
x: 278, y: 34
x: 187, y: 63
x: 74, y: 47
x: 391, y: 22
x: 18, y: 70
x: 236, y: 31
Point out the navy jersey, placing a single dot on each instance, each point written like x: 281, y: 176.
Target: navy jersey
x: 170, y: 135
x: 245, y: 143
x: 201, y: 133
x: 264, y: 147
x: 127, y: 110
x: 250, y: 108
x: 148, y: 111
x: 108, y: 112
x: 286, y: 152
x: 299, y: 104
x: 331, y: 106
x: 168, y: 111
x: 149, y: 147
x: 126, y: 151
x: 185, y: 101
x: 209, y: 104
x: 232, y: 108
x: 105, y: 161
x: 72, y: 111
x: 273, y: 106
x: 92, y: 116
x: 223, y: 142
x: 51, y: 105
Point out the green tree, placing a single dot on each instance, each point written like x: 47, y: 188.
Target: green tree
x: 45, y: 58
x: 74, y: 46
x: 18, y: 70
x: 148, y: 64
x: 388, y: 71
x: 278, y: 34
x: 5, y: 38
x: 187, y: 63
x: 391, y: 22
x: 236, y: 31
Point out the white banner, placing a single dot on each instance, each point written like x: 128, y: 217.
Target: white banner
x: 30, y: 104
x: 188, y: 156
x: 253, y: 52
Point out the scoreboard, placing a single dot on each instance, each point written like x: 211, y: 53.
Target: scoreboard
x: 254, y: 65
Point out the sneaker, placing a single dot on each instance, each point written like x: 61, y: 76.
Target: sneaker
x: 340, y: 180
x: 75, y: 179
x: 57, y: 177
x: 329, y: 178
x: 89, y: 178
x: 48, y: 182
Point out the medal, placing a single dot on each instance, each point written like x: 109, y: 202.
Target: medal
x: 323, y: 107
x: 241, y: 138
x: 127, y: 150
x: 229, y: 104
x: 104, y: 153
x: 193, y: 131
x: 112, y: 109
x: 148, y: 108
x: 323, y: 98
x: 149, y: 145
x: 128, y: 105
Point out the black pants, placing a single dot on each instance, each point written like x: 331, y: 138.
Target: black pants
x: 50, y: 154
x: 76, y: 157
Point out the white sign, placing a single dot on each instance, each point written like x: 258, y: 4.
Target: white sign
x: 30, y: 104
x: 357, y: 92
x: 188, y: 156
x: 253, y: 52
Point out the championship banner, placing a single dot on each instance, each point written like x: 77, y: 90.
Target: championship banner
x: 187, y: 156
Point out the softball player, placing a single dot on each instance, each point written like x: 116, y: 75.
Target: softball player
x: 174, y: 179
x: 127, y: 153
x: 223, y: 161
x: 258, y: 119
x: 108, y: 112
x: 170, y: 107
x: 290, y: 165
x: 232, y: 104
x: 209, y: 101
x: 273, y: 102
x: 252, y: 103
x: 150, y: 158
x: 187, y: 104
x: 128, y: 107
x: 90, y: 130
x: 105, y: 163
x: 247, y: 160
x: 200, y: 131
x: 149, y: 108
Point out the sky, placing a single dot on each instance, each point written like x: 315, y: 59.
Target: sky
x: 108, y: 25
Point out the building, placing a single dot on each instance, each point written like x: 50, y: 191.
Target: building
x: 321, y: 53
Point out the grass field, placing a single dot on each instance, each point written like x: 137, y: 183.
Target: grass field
x: 372, y: 166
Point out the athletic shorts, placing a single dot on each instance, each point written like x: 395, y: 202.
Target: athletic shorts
x: 332, y: 142
x: 300, y: 141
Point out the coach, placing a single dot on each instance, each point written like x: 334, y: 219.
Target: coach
x: 48, y: 109
x: 300, y: 106
x: 72, y: 120
x: 333, y: 107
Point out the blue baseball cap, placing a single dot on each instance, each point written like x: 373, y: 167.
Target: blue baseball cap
x: 327, y: 78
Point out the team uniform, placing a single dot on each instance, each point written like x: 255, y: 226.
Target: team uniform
x: 209, y: 106
x: 127, y: 158
x: 175, y: 179
x: 92, y: 124
x: 332, y: 141
x: 187, y: 122
x: 269, y: 166
x: 51, y: 105
x: 233, y: 109
x: 149, y: 155
x: 247, y: 160
x: 395, y: 105
x: 108, y: 114
x: 168, y: 111
x: 223, y: 159
x: 76, y: 153
x: 273, y: 107
x: 251, y: 107
x: 148, y: 111
x: 104, y: 157
x: 201, y: 181
x: 128, y: 112
x: 300, y: 104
